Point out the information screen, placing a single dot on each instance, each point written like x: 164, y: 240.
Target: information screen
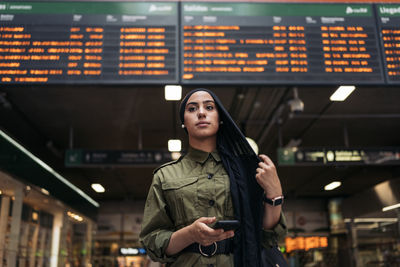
x: 389, y: 27
x: 83, y: 42
x: 257, y: 43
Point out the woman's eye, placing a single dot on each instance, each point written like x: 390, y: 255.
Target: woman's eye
x: 209, y: 107
x: 191, y: 109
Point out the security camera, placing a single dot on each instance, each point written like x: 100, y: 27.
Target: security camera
x: 296, y: 105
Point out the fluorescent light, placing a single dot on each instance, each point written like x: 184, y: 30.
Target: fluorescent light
x: 332, y: 185
x: 98, y: 188
x: 392, y: 207
x: 371, y: 220
x: 173, y: 92
x: 48, y: 168
x: 174, y: 145
x: 342, y: 93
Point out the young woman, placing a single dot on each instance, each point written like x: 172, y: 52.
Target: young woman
x: 220, y: 178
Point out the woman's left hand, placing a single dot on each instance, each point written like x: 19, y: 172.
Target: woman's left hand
x: 267, y: 177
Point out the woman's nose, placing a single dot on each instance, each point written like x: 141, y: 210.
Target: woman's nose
x: 201, y: 112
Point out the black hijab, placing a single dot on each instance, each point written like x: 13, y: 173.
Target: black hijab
x: 240, y: 162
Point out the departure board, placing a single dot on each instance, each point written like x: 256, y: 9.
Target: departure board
x: 88, y: 42
x: 267, y: 43
x: 389, y: 27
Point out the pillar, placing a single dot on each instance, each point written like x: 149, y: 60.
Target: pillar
x: 15, y: 227
x: 5, y: 209
x: 55, y: 240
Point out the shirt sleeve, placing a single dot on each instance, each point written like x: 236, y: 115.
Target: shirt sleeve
x: 157, y: 226
x: 271, y: 237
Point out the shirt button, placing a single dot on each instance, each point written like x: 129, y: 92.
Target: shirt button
x: 211, y: 202
x: 210, y: 175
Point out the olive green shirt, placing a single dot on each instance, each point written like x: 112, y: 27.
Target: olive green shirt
x: 195, y: 186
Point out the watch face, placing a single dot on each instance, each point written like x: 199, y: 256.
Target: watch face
x: 275, y: 201
x: 278, y: 201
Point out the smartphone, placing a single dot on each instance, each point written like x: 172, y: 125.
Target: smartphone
x: 227, y: 225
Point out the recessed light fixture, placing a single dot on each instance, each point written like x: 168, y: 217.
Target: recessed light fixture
x: 175, y: 155
x: 342, y: 92
x: 44, y: 191
x: 174, y: 145
x: 98, y: 188
x: 332, y: 185
x: 392, y: 207
x: 173, y: 92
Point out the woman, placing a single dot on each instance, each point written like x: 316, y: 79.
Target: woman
x: 220, y: 178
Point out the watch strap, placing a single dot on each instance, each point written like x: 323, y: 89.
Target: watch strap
x: 276, y: 201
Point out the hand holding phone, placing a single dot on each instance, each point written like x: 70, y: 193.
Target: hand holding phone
x: 227, y: 225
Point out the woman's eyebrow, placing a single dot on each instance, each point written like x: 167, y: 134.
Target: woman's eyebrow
x: 196, y: 103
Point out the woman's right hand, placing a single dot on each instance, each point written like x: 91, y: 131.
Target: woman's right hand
x: 203, y: 234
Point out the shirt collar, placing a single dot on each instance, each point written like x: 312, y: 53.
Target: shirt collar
x: 202, y: 156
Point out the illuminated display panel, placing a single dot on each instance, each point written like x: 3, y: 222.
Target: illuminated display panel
x: 389, y: 27
x: 305, y: 243
x: 256, y: 43
x: 83, y: 42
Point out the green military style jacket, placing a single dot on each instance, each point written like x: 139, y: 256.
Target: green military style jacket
x: 195, y: 186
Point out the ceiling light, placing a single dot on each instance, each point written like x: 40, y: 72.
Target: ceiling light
x: 342, y: 93
x: 174, y: 145
x: 392, y: 207
x: 35, y: 216
x: 253, y: 144
x: 173, y: 92
x: 98, y: 188
x: 332, y: 185
x: 44, y: 191
x: 176, y: 155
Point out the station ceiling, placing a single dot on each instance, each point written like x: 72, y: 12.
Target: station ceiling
x: 48, y: 120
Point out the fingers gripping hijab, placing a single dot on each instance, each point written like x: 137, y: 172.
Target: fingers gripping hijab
x: 240, y: 163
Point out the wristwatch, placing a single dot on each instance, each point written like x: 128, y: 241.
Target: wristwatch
x: 276, y: 201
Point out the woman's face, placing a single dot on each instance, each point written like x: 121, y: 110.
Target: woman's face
x: 201, y: 117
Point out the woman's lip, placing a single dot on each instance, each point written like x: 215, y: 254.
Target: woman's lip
x: 203, y: 123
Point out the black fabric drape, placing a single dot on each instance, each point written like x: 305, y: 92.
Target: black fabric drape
x: 240, y: 162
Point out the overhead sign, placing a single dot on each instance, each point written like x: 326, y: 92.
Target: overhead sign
x: 338, y: 156
x: 198, y: 43
x: 92, y: 158
x: 305, y: 243
x: 264, y: 43
x: 389, y: 27
x: 82, y: 42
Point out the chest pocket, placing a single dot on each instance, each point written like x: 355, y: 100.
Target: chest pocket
x: 182, y: 199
